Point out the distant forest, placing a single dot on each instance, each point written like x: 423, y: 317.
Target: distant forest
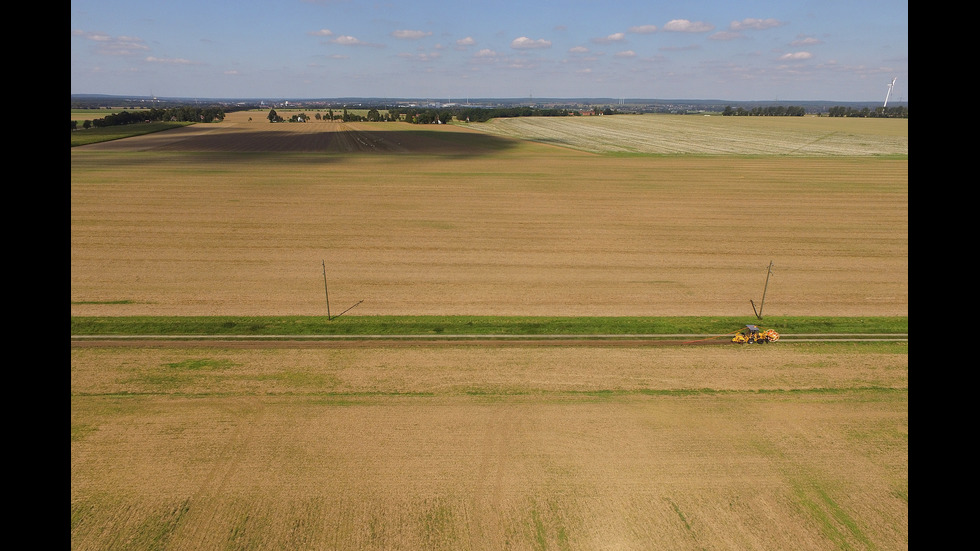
x: 481, y: 114
x: 175, y: 114
x: 899, y: 112
x: 837, y: 111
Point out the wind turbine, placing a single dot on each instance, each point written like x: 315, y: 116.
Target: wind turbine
x: 888, y: 95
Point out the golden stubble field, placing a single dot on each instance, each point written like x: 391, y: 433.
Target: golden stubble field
x: 789, y: 446
x: 171, y: 225
x: 714, y: 135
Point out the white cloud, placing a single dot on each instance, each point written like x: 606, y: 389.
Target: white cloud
x: 347, y: 40
x: 626, y: 53
x: 468, y: 41
x: 525, y: 43
x: 410, y: 35
x: 321, y: 32
x: 755, y: 24
x: 486, y: 53
x: 796, y: 56
x: 615, y: 37
x: 114, y: 45
x: 685, y: 26
x: 643, y: 29
x: 578, y: 50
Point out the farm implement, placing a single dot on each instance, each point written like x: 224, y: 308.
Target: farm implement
x: 752, y: 334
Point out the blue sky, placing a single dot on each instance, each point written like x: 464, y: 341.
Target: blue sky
x: 830, y: 50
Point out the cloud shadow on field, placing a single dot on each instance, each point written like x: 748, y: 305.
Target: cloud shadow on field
x: 337, y: 139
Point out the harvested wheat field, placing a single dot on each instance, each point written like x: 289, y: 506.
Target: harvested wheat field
x: 788, y: 447
x: 490, y: 226
x: 686, y: 134
x: 378, y: 446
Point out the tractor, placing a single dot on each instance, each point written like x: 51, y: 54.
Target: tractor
x: 751, y: 334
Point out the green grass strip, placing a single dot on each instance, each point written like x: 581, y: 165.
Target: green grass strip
x: 109, y: 133
x: 473, y: 325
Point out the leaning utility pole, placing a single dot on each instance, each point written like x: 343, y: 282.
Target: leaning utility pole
x: 758, y: 314
x: 327, y: 295
x: 325, y: 288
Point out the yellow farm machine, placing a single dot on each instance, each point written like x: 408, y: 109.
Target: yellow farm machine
x: 751, y: 334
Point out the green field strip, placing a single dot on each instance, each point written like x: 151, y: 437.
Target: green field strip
x: 459, y: 326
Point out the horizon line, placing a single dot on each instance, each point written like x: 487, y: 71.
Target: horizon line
x: 470, y: 99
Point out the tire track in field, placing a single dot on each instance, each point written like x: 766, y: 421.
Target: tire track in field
x: 246, y: 418
x: 495, y: 462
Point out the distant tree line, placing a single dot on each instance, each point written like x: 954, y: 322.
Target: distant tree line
x: 373, y: 115
x: 474, y: 114
x: 772, y: 111
x: 482, y: 114
x: 422, y: 116
x: 897, y: 112
x: 432, y: 115
x: 176, y: 114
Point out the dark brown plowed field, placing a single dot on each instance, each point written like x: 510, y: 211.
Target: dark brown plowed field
x: 313, y: 137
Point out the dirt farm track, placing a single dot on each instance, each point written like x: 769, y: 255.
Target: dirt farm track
x: 445, y: 442
x: 366, y: 341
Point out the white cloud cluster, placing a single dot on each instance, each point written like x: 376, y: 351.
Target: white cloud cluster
x: 796, y: 56
x: 114, y: 45
x: 525, y: 43
x: 615, y: 37
x: 347, y: 40
x: 685, y: 26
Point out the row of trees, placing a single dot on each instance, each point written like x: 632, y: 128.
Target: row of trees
x: 898, y: 112
x: 176, y: 114
x: 427, y: 116
x: 772, y: 111
x: 480, y: 114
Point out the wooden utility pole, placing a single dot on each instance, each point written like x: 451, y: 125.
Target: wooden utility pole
x: 758, y: 314
x: 325, y: 293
